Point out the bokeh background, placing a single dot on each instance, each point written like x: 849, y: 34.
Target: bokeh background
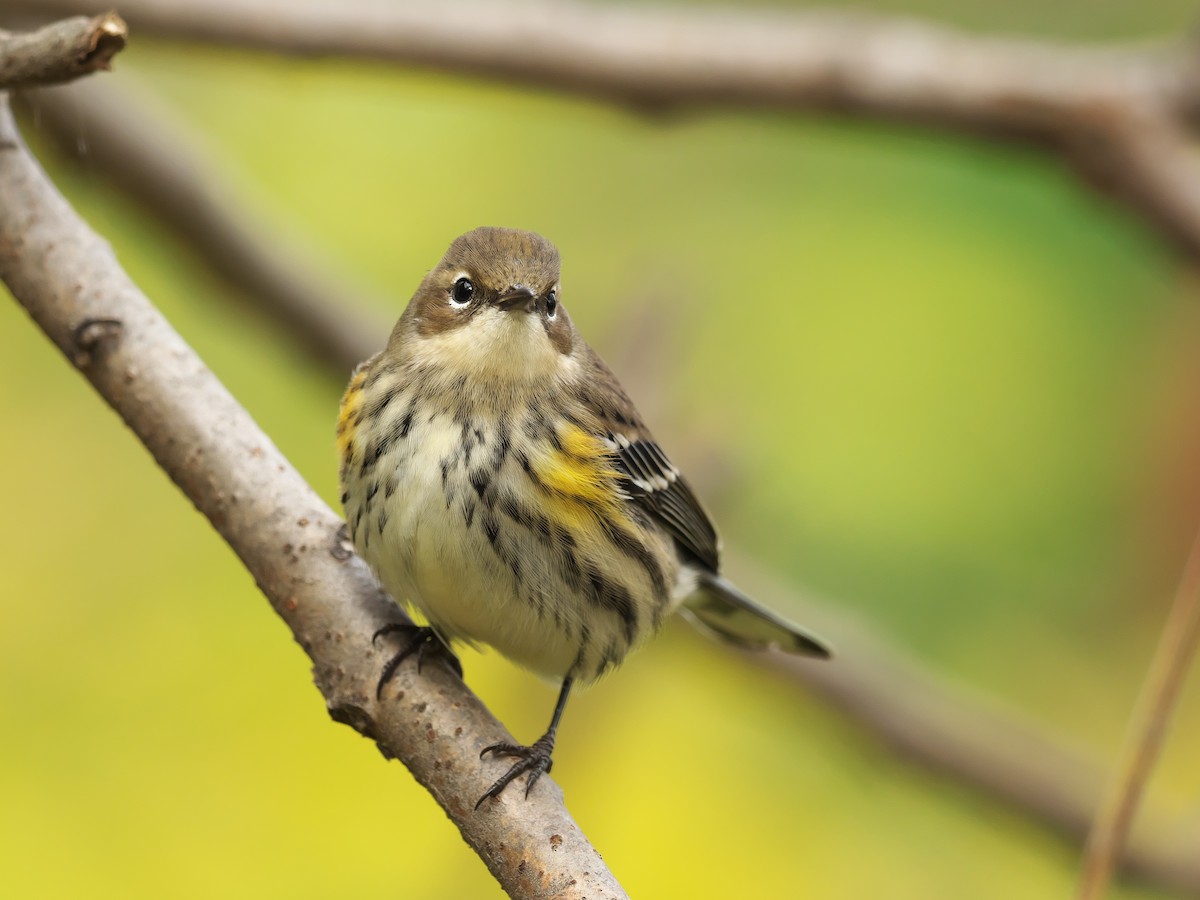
x: 935, y: 381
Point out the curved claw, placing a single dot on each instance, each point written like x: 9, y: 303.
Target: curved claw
x: 535, y: 759
x: 424, y: 640
x: 390, y: 628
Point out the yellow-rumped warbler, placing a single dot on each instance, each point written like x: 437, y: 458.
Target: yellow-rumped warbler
x: 495, y: 474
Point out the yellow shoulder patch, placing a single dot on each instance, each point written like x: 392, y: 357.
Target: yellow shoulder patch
x: 581, y: 472
x: 348, y: 413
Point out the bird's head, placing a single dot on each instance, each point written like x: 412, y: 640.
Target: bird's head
x: 491, y: 308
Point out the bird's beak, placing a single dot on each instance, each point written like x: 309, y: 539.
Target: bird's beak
x: 517, y: 297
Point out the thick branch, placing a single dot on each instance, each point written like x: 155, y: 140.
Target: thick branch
x: 69, y: 281
x: 60, y: 52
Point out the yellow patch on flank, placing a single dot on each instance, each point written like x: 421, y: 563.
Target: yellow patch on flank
x: 580, y: 477
x: 347, y: 424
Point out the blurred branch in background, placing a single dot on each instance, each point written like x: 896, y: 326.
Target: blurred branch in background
x: 139, y: 148
x: 937, y: 725
x: 68, y: 279
x: 61, y: 51
x: 1122, y: 115
x: 1147, y: 730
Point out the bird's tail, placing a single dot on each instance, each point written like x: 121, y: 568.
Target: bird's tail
x: 720, y: 608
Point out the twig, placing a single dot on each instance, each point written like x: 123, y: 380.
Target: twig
x: 138, y: 145
x: 62, y: 51
x: 68, y: 279
x: 1119, y: 113
x: 1147, y: 731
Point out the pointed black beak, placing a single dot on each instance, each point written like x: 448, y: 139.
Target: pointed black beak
x: 517, y: 297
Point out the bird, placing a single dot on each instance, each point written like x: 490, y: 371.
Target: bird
x: 497, y: 478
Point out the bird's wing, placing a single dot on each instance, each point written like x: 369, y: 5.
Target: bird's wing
x: 651, y: 480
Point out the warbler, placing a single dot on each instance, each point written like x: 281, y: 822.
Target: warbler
x: 497, y: 477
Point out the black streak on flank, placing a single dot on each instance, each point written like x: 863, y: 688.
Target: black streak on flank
x: 398, y: 431
x: 527, y: 468
x: 480, y: 481
x: 511, y: 508
x: 616, y: 597
x: 381, y: 403
x: 622, y: 602
x: 523, y: 515
x: 570, y: 565
x: 503, y: 445
x: 492, y: 527
x: 638, y: 552
x: 467, y: 441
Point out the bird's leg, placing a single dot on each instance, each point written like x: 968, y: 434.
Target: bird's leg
x: 422, y: 640
x: 534, y: 759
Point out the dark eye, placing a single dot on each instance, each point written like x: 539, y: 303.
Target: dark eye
x: 462, y: 292
x: 551, y: 303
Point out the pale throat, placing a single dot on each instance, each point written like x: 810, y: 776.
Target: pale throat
x: 496, y: 351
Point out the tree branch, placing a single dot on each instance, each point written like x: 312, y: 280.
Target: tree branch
x: 69, y: 281
x: 61, y: 51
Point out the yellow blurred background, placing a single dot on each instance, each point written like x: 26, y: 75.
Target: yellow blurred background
x: 942, y: 384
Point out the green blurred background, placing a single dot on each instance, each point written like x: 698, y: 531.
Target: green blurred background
x: 945, y: 385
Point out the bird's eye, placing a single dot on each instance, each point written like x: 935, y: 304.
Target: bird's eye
x: 552, y: 304
x: 462, y: 292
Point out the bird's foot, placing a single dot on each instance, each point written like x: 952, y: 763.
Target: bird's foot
x: 423, y: 641
x: 534, y: 759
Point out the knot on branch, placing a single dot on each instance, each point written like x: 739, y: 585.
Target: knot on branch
x: 92, y: 334
x: 353, y: 715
